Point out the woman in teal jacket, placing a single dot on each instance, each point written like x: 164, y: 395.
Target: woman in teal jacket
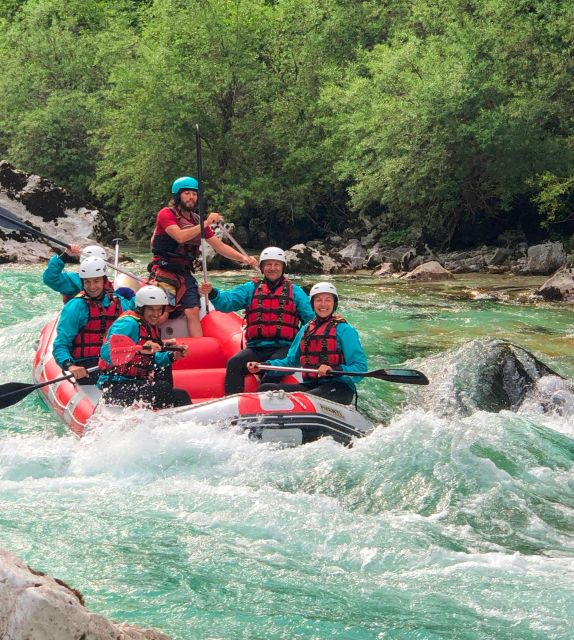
x: 326, y: 343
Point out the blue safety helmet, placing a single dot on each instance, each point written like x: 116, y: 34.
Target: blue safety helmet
x: 184, y: 183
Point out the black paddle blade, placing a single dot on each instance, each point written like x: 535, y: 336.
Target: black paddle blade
x: 13, y: 392
x: 404, y: 376
x: 9, y: 221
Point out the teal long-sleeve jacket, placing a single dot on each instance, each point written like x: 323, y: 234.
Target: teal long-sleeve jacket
x: 127, y: 326
x: 54, y: 276
x: 73, y: 317
x: 347, y: 341
x: 239, y: 298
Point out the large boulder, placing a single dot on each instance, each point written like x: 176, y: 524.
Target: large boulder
x: 303, y: 259
x: 560, y: 287
x: 428, y: 272
x: 354, y: 252
x: 34, y: 606
x: 546, y: 258
x: 49, y: 209
x: 492, y: 375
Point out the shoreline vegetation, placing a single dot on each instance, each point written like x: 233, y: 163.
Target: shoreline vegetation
x: 443, y: 124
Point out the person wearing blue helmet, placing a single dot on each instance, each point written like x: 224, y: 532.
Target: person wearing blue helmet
x: 175, y: 246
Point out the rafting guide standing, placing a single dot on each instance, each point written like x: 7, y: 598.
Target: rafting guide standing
x: 175, y: 246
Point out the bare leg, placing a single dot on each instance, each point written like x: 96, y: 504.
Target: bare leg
x: 193, y: 322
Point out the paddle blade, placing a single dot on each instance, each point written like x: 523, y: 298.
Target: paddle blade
x: 9, y: 221
x: 13, y: 392
x: 122, y: 349
x: 404, y: 376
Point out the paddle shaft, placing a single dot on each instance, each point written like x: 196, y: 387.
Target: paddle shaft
x: 232, y: 240
x: 15, y: 221
x: 26, y: 389
x: 12, y: 219
x: 201, y: 208
x: 406, y: 376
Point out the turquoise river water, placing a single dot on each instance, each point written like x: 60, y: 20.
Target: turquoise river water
x: 438, y: 525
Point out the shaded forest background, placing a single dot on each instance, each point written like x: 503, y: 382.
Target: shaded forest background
x: 447, y: 121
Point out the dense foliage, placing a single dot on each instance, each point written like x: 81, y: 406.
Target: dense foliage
x: 446, y: 120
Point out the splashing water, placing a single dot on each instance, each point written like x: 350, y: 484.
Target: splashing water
x: 441, y: 524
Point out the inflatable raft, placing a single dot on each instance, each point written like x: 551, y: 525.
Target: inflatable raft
x: 294, y: 418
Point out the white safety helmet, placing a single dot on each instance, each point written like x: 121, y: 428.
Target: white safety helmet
x: 151, y: 295
x: 93, y: 267
x: 324, y: 287
x: 93, y: 251
x: 273, y: 253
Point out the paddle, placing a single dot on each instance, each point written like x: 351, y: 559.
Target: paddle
x: 123, y: 349
x: 9, y: 220
x: 13, y: 392
x: 404, y: 376
x: 201, y: 208
x: 232, y: 239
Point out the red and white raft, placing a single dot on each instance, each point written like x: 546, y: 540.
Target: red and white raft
x: 295, y: 418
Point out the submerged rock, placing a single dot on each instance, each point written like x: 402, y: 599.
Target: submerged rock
x: 485, y: 375
x: 34, y: 606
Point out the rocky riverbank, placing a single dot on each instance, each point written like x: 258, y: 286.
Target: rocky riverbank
x: 51, y: 210
x: 34, y: 606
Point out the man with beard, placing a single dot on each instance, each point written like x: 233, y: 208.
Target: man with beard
x: 175, y: 246
x: 274, y: 310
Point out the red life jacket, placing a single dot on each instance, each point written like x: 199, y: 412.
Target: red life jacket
x: 319, y: 344
x: 90, y: 337
x: 141, y: 366
x: 272, y: 314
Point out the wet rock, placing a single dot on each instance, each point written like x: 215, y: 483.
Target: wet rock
x: 375, y: 256
x: 34, y: 606
x: 398, y: 256
x: 428, y: 272
x: 560, y: 287
x: 483, y: 375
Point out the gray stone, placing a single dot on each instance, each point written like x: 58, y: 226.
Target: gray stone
x: 384, y: 270
x: 354, y: 252
x: 560, y: 287
x: 428, y: 272
x: 34, y: 606
x: 545, y: 258
x: 303, y: 259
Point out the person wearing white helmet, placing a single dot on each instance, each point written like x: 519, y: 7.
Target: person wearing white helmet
x: 274, y: 309
x: 147, y: 377
x: 175, y: 246
x: 85, y: 319
x: 326, y: 343
x: 70, y: 284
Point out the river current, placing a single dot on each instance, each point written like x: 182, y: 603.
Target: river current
x: 437, y: 525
